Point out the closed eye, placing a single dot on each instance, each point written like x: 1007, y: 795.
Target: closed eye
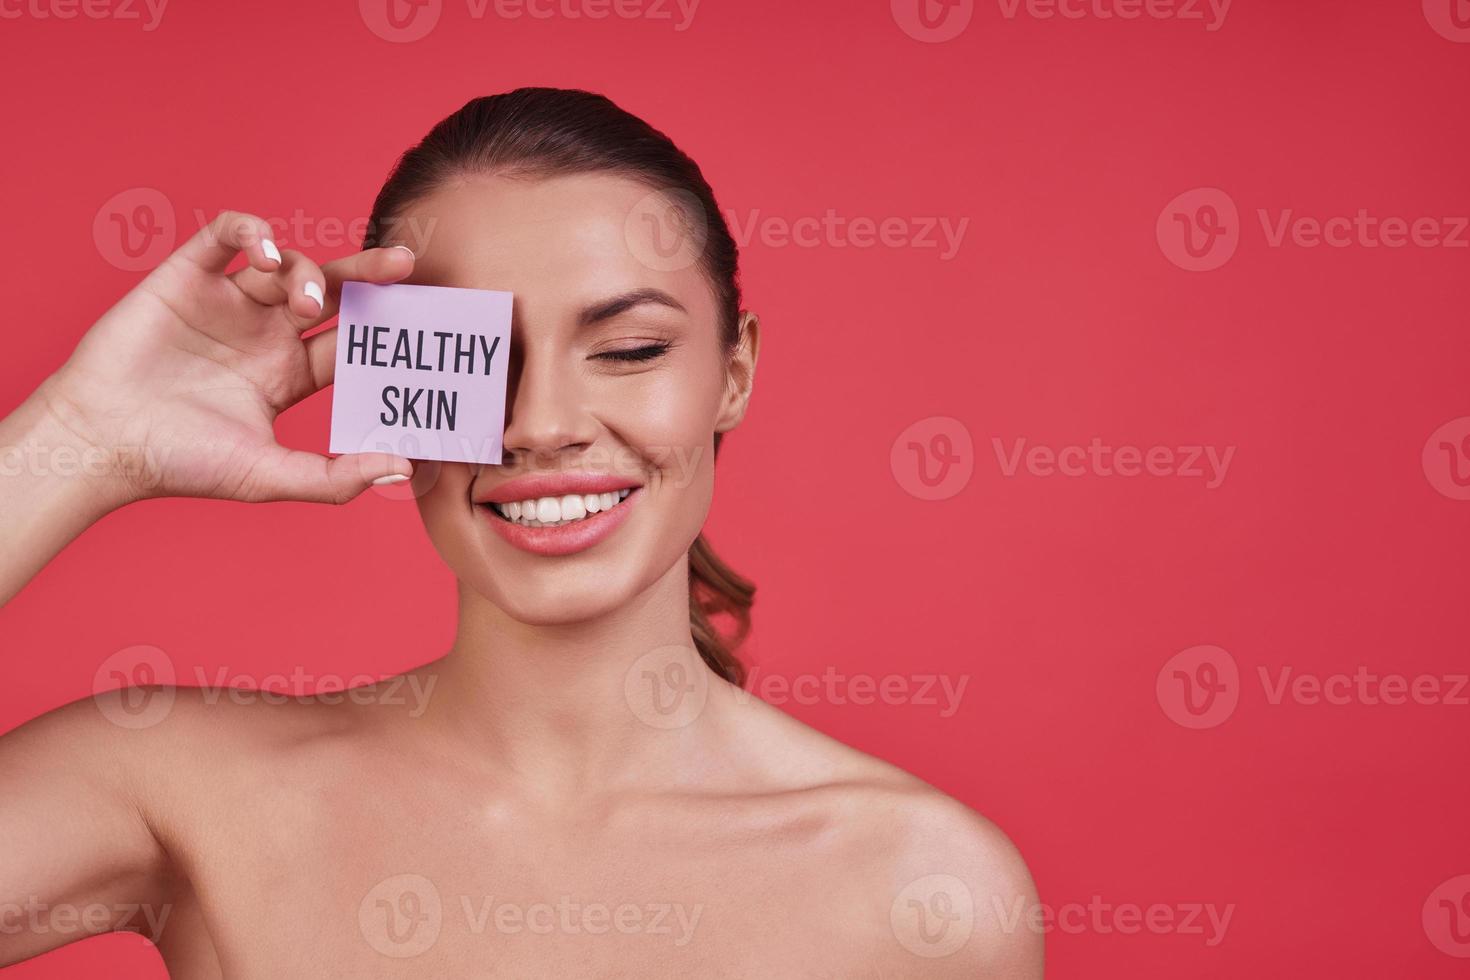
x: 647, y: 353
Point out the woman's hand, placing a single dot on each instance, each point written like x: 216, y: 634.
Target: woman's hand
x: 177, y: 386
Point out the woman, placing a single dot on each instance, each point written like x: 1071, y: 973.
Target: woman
x: 587, y: 791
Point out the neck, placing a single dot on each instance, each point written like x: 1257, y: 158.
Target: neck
x: 577, y: 707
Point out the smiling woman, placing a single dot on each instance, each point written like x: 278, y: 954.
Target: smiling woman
x: 588, y: 744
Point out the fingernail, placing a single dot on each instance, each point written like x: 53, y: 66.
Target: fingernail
x: 408, y: 250
x: 269, y: 248
x: 383, y: 481
x: 313, y: 291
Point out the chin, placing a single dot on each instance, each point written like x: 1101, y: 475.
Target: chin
x: 554, y: 597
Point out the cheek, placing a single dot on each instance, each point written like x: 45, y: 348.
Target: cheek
x: 441, y: 491
x: 669, y: 409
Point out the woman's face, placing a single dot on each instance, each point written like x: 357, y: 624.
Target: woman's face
x: 618, y: 384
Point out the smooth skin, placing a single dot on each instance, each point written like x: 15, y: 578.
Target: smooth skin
x: 540, y: 813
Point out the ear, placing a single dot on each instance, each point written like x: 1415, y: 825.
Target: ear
x: 740, y: 378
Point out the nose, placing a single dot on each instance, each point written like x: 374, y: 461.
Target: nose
x: 545, y: 411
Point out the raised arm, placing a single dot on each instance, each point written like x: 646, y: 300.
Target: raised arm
x: 174, y: 392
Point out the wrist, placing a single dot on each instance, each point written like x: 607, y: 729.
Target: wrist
x: 60, y: 443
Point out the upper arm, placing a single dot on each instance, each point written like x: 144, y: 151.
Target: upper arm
x: 965, y: 904
x: 78, y: 856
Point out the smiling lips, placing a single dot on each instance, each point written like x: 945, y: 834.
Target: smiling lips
x: 559, y: 514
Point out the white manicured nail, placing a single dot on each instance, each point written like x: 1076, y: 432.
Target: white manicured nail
x: 313, y: 292
x: 269, y: 248
x: 407, y: 249
x: 383, y: 481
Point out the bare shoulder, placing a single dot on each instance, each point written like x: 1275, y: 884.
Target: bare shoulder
x: 176, y: 751
x: 938, y: 888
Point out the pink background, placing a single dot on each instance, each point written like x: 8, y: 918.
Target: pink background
x: 1063, y: 317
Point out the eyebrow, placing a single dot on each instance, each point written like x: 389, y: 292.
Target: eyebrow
x: 609, y: 308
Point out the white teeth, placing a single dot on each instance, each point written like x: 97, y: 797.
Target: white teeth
x: 553, y: 511
x: 572, y: 508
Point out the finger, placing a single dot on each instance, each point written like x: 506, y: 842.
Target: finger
x: 298, y: 286
x: 321, y: 356
x: 295, y: 474
x: 376, y: 265
x: 215, y: 245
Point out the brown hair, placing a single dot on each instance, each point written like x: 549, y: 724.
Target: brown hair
x: 548, y: 132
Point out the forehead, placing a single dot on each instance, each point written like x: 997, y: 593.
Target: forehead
x: 558, y: 243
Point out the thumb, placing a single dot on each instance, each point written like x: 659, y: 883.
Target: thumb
x: 294, y: 474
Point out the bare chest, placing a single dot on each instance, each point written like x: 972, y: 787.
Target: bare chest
x: 470, y: 891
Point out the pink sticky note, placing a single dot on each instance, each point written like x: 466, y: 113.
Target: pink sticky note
x: 421, y: 372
